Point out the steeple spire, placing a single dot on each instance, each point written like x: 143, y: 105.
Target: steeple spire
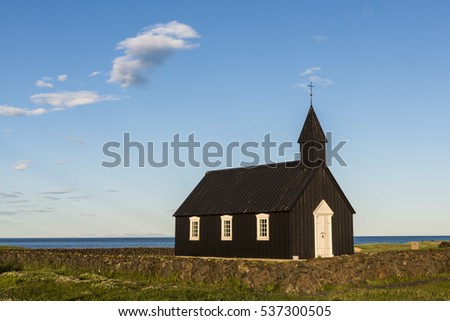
x: 312, y: 141
x: 312, y: 131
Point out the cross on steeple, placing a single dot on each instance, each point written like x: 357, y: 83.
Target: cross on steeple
x: 310, y: 93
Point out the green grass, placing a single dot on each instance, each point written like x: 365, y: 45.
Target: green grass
x: 382, y: 247
x: 38, y: 281
x: 52, y: 285
x: 31, y: 283
x: 8, y: 247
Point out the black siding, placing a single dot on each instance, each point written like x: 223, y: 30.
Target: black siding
x: 244, y: 243
x: 321, y: 186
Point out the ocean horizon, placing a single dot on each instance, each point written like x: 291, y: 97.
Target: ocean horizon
x: 123, y: 242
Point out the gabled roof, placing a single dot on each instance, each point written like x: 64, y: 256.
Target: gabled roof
x: 312, y: 131
x: 265, y: 188
x: 334, y: 181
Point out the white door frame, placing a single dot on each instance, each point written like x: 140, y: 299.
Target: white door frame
x: 323, y: 237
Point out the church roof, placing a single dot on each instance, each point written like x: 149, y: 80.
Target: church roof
x: 261, y: 189
x: 312, y: 131
x: 265, y: 188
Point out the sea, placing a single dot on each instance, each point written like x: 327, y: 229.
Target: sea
x: 124, y: 242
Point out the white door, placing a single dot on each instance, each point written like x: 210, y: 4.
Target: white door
x: 323, y: 231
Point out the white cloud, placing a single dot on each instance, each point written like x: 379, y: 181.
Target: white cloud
x: 149, y: 49
x: 320, y: 81
x: 310, y: 71
x: 41, y: 83
x: 316, y: 80
x: 58, y: 101
x: 303, y: 85
x: 69, y: 99
x: 62, y: 78
x: 94, y: 74
x: 319, y: 38
x: 22, y: 165
x: 17, y: 111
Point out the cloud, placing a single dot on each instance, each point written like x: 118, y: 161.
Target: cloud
x: 319, y: 38
x: 312, y: 77
x: 62, y: 78
x: 13, y: 194
x: 94, y: 74
x: 316, y: 80
x: 79, y: 198
x: 320, y: 81
x: 52, y: 198
x: 58, y: 101
x: 22, y: 165
x: 17, y: 201
x: 63, y: 162
x: 149, y: 49
x: 8, y: 213
x: 69, y: 99
x: 77, y: 140
x: 43, y: 84
x: 17, y: 111
x: 367, y: 10
x: 58, y: 192
x: 43, y: 210
x: 310, y: 71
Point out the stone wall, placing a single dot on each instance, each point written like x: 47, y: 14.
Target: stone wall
x: 290, y: 276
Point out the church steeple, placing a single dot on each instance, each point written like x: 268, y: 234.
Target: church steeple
x: 312, y: 141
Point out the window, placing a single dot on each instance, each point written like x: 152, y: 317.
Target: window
x: 194, y: 230
x: 262, y: 227
x: 227, y: 227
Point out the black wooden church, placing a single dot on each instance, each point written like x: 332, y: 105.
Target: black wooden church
x: 285, y: 210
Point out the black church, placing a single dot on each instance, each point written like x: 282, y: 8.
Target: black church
x: 285, y: 210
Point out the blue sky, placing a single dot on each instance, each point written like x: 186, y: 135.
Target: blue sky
x: 76, y: 75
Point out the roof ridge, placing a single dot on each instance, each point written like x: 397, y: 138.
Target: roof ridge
x: 270, y: 165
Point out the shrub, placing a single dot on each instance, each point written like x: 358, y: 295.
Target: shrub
x: 444, y: 245
x: 10, y: 267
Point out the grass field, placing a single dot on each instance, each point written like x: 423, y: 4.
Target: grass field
x: 382, y: 247
x: 19, y: 282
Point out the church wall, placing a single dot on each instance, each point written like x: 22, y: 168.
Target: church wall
x: 243, y: 243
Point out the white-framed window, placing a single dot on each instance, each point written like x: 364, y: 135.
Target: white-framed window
x: 262, y: 227
x: 226, y: 227
x: 194, y: 228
